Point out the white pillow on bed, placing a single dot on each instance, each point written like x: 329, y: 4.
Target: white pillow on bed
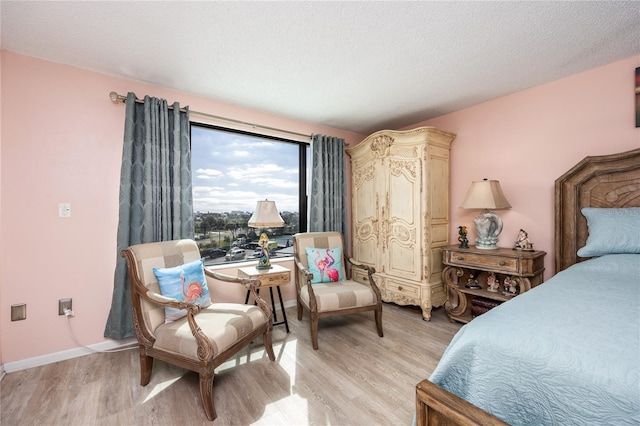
x: 611, y: 231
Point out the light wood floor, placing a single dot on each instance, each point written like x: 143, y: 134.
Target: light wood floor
x: 355, y: 378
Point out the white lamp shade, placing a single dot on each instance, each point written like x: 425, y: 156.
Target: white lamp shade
x: 485, y: 194
x: 266, y: 216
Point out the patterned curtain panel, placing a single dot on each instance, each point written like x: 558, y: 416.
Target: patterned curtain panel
x: 328, y: 199
x: 156, y: 202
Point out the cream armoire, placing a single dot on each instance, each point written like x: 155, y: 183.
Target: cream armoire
x: 400, y: 206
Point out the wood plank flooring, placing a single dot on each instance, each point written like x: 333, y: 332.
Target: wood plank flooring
x: 355, y: 378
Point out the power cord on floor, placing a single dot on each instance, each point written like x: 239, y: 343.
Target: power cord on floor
x: 69, y: 313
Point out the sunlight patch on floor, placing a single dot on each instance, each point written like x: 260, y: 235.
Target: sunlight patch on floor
x: 161, y: 387
x: 285, y: 352
x: 254, y: 355
x: 294, y: 405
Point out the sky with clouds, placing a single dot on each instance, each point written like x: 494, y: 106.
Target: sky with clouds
x: 232, y: 171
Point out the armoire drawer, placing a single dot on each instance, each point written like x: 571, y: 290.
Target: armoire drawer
x: 405, y: 289
x: 360, y: 275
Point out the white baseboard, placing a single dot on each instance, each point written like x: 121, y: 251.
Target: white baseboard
x: 38, y: 361
x: 10, y: 367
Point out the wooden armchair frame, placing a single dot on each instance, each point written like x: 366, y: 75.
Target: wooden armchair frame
x: 303, y: 278
x: 207, y: 360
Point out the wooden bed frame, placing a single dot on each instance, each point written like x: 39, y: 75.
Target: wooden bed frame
x: 597, y: 181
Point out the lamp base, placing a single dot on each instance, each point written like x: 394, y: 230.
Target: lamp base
x: 488, y: 228
x: 264, y: 266
x: 483, y: 246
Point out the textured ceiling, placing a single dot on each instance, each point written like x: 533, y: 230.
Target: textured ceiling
x: 357, y: 66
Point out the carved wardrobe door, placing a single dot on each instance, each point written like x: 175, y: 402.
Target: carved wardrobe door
x: 400, y: 212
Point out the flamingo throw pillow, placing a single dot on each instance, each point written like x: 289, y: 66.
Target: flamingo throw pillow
x: 325, y: 264
x: 186, y: 283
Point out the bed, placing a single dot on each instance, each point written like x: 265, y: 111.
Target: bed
x: 578, y: 360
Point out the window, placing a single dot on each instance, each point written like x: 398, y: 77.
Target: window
x: 231, y: 171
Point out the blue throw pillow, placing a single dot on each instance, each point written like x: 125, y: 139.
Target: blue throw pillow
x: 186, y: 283
x: 325, y: 264
x: 611, y: 231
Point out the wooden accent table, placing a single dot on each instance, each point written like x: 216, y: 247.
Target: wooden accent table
x: 274, y: 277
x: 467, y: 270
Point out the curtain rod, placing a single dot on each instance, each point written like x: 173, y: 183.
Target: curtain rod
x: 115, y: 97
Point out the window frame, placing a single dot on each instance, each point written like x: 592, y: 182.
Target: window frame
x: 304, y: 167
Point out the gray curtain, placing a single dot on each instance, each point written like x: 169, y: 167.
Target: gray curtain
x: 328, y: 199
x: 156, y: 202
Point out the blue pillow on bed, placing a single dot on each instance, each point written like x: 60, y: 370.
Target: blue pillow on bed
x: 611, y: 231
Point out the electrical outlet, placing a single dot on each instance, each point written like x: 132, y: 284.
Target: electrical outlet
x: 64, y: 304
x: 19, y: 312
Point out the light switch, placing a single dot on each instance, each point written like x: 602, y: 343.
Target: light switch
x: 64, y: 210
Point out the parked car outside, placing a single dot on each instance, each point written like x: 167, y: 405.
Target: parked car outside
x: 212, y: 253
x: 234, y: 254
x: 256, y: 253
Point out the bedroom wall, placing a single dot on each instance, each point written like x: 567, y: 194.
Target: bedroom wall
x: 62, y: 142
x: 528, y: 139
x: 1, y: 265
x: 525, y: 140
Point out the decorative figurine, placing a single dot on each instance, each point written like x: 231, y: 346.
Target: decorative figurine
x: 510, y: 287
x: 264, y: 262
x: 523, y: 243
x: 472, y: 282
x: 492, y: 283
x: 462, y: 232
x: 507, y: 284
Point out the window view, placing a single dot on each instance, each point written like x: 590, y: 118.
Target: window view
x: 231, y: 171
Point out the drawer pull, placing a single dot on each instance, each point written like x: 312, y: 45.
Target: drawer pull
x: 502, y: 263
x: 460, y: 258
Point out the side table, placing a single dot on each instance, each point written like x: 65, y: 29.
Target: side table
x: 274, y: 277
x: 473, y: 267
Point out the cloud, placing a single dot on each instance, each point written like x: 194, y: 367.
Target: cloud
x: 233, y: 171
x: 208, y: 174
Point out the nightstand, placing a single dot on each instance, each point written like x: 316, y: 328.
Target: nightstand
x: 468, y: 271
x: 274, y: 277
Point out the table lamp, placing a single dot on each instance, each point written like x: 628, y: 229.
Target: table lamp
x: 265, y: 216
x: 484, y: 195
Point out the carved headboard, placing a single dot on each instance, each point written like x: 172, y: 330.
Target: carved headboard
x: 598, y: 181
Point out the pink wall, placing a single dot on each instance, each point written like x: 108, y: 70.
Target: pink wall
x: 525, y: 140
x: 1, y: 263
x: 530, y: 138
x: 62, y: 142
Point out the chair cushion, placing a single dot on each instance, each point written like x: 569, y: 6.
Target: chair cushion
x: 185, y: 283
x: 223, y: 323
x: 340, y: 295
x: 325, y: 264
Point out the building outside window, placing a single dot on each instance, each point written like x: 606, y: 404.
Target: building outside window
x: 231, y: 171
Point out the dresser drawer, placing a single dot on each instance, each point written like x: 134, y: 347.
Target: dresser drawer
x: 479, y: 261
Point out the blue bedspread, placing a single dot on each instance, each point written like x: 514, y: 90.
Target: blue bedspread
x: 565, y: 352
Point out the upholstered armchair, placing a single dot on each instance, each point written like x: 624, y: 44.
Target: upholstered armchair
x: 324, y: 283
x: 189, y: 333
